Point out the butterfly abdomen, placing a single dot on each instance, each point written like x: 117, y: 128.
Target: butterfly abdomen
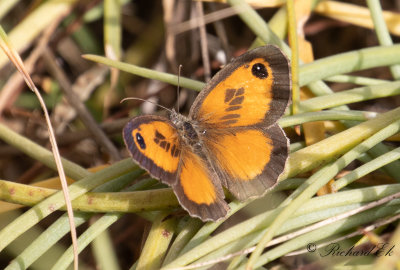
x: 190, y: 134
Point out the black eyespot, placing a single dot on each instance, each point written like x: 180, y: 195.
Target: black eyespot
x: 140, y: 141
x: 259, y: 70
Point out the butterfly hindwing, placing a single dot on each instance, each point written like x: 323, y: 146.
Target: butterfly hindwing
x: 198, y: 190
x: 248, y: 161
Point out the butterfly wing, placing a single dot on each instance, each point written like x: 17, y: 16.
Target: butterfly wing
x: 198, y: 190
x: 155, y: 144
x: 253, y: 89
x: 248, y: 161
x: 238, y: 111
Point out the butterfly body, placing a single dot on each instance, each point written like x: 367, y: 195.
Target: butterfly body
x: 229, y: 139
x: 188, y: 130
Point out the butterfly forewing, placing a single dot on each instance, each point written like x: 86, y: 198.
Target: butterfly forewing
x: 154, y: 143
x: 253, y: 89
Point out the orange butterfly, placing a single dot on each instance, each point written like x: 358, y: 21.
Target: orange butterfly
x: 230, y: 138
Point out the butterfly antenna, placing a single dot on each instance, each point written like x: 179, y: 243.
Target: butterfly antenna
x: 144, y: 100
x: 177, y: 89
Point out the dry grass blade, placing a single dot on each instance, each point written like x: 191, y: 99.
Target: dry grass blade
x: 356, y: 15
x: 112, y: 41
x: 207, y: 18
x: 14, y: 57
x: 203, y: 41
x: 8, y: 93
x: 83, y: 112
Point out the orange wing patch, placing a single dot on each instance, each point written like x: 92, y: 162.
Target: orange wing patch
x: 154, y: 143
x: 198, y: 189
x: 196, y: 181
x: 248, y: 161
x: 161, y: 144
x: 241, y: 99
x: 242, y: 155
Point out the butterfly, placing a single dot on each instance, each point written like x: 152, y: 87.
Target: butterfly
x: 229, y: 139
